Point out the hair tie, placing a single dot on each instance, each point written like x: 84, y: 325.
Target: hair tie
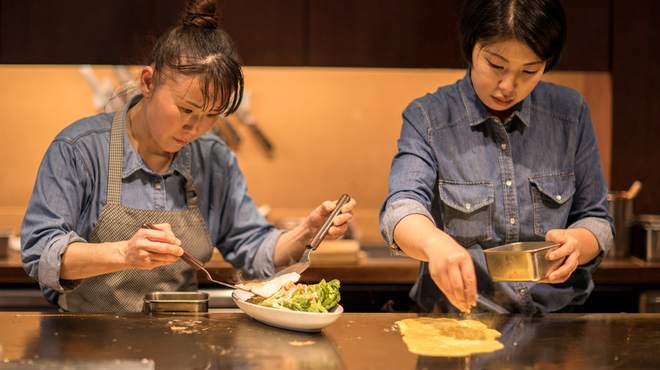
x: 191, y: 17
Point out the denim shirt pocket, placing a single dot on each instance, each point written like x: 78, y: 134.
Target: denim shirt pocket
x: 467, y: 210
x: 552, y: 197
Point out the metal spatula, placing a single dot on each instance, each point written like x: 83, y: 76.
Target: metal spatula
x: 320, y: 234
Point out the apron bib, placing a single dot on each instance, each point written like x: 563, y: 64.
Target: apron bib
x: 124, y: 291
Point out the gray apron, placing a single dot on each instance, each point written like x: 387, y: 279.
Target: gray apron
x: 123, y: 291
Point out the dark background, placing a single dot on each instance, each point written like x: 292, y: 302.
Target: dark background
x: 617, y: 36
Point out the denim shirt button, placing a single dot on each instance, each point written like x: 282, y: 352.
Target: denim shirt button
x: 467, y: 206
x: 158, y: 185
x: 508, y: 183
x: 558, y: 197
x: 512, y: 221
x: 522, y: 292
x: 503, y: 146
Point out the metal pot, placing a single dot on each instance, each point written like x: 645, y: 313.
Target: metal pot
x: 622, y: 211
x: 647, y: 231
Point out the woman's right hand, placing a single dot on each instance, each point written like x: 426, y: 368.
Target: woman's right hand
x: 152, y: 248
x: 452, y: 270
x: 450, y: 265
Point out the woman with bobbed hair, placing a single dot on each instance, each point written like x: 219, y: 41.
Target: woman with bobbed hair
x: 496, y: 158
x: 152, y: 161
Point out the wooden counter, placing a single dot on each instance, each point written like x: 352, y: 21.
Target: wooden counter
x: 394, y: 270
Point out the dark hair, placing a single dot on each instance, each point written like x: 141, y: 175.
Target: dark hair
x: 197, y: 47
x: 539, y: 24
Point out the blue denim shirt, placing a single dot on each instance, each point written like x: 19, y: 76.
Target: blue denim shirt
x: 488, y: 183
x: 71, y: 189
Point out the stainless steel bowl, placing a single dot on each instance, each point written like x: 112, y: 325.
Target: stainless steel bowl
x: 164, y: 302
x: 524, y: 261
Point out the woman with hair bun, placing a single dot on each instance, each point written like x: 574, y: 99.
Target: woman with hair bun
x: 152, y: 161
x: 496, y: 158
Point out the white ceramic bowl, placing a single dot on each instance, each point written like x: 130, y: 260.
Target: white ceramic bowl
x: 286, y: 319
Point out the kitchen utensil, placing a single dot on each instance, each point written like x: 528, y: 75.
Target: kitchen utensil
x: 195, y: 263
x: 232, y: 130
x: 647, y: 231
x: 524, y: 261
x: 176, y: 302
x: 490, y: 306
x: 5, y: 234
x: 321, y: 232
x: 634, y: 190
x: 621, y: 208
x: 103, y: 91
x: 243, y: 114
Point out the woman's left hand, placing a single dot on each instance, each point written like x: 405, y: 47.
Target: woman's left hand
x: 569, y: 248
x: 339, y: 225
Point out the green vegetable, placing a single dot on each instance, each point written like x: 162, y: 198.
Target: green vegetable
x: 326, y: 298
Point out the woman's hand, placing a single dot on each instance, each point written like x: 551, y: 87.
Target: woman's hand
x: 450, y: 265
x: 145, y: 250
x: 152, y: 248
x: 340, y: 223
x: 291, y: 245
x: 452, y: 270
x: 569, y: 248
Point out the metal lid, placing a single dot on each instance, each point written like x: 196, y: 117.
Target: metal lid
x: 649, y: 222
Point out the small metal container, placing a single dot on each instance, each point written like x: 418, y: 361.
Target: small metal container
x: 167, y: 302
x: 647, y: 237
x: 5, y: 234
x: 524, y: 261
x: 621, y: 207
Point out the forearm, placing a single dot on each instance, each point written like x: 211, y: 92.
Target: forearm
x: 82, y: 260
x: 416, y: 235
x: 587, y: 244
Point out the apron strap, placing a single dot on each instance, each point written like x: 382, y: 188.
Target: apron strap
x: 191, y: 193
x: 116, y: 157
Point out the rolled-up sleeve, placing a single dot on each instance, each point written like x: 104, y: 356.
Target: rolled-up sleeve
x: 590, y: 209
x: 601, y: 229
x: 412, y: 175
x: 51, y: 261
x: 52, y: 214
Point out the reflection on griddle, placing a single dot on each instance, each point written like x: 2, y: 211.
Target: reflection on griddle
x: 180, y: 341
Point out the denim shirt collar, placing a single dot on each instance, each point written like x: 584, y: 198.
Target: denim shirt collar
x: 477, y: 111
x: 133, y: 162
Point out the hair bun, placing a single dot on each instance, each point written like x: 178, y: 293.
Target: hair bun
x: 200, y: 13
x: 200, y: 20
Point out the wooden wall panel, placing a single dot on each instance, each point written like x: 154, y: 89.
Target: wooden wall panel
x: 331, y: 33
x: 589, y: 36
x: 374, y: 33
x: 124, y: 31
x: 636, y: 100
x: 79, y: 31
x: 267, y: 32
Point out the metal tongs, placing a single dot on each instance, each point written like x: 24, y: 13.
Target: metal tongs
x: 318, y: 237
x: 195, y: 263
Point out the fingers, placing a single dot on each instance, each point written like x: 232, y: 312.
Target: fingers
x: 556, y: 236
x: 565, y: 270
x: 340, y: 222
x: 339, y: 225
x: 568, y: 249
x: 150, y: 248
x: 166, y: 228
x: 457, y: 280
x: 329, y: 206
